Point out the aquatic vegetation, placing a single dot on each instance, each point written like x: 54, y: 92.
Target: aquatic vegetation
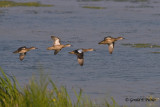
x: 140, y: 6
x: 94, y: 7
x: 112, y: 105
x: 41, y: 93
x: 141, y: 45
x: 1, y: 12
x: 155, y: 52
x: 115, y: 0
x: 88, y: 0
x: 10, y: 95
x: 120, y: 0
x: 29, y: 4
x: 130, y: 0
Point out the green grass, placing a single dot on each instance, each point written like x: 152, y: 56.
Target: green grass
x: 41, y: 93
x: 28, y: 4
x: 141, y: 45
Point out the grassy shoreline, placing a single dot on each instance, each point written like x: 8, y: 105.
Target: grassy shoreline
x: 44, y: 93
x: 41, y: 93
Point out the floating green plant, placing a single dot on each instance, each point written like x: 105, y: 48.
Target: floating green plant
x: 156, y: 52
x: 93, y: 7
x: 29, y: 4
x: 141, y: 45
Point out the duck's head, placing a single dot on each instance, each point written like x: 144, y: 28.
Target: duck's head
x: 68, y: 45
x: 108, y: 37
x: 78, y: 51
x: 33, y: 48
x: 120, y: 38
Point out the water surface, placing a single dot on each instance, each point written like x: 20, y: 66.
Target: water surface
x: 127, y: 73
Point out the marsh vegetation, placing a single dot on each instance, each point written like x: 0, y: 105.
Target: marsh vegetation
x: 142, y: 45
x: 93, y: 7
x: 42, y: 93
x: 28, y: 4
x: 117, y: 0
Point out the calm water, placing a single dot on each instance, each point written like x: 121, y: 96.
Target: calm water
x: 127, y: 73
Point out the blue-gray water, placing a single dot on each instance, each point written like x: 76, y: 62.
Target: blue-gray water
x: 127, y: 73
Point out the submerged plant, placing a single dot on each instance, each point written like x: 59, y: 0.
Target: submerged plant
x: 93, y: 7
x: 141, y: 45
x: 156, y: 52
x: 130, y: 0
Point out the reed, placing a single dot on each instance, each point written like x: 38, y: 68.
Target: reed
x: 41, y: 93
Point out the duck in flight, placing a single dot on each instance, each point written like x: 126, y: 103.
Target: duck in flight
x: 57, y: 46
x: 22, y: 51
x: 79, y: 53
x: 110, y: 41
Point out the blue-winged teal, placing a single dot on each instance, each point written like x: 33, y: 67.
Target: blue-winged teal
x: 23, y: 50
x: 57, y: 46
x: 79, y: 53
x: 110, y: 41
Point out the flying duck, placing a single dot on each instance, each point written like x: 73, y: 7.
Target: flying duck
x: 57, y: 46
x: 110, y: 41
x: 79, y: 53
x: 22, y: 51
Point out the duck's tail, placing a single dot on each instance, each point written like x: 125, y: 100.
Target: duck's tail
x: 50, y: 48
x: 15, y: 51
x: 102, y: 42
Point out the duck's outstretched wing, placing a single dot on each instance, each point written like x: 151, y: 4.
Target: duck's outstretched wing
x: 56, y: 40
x: 22, y: 55
x: 56, y: 51
x: 86, y: 50
x: 111, y: 47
